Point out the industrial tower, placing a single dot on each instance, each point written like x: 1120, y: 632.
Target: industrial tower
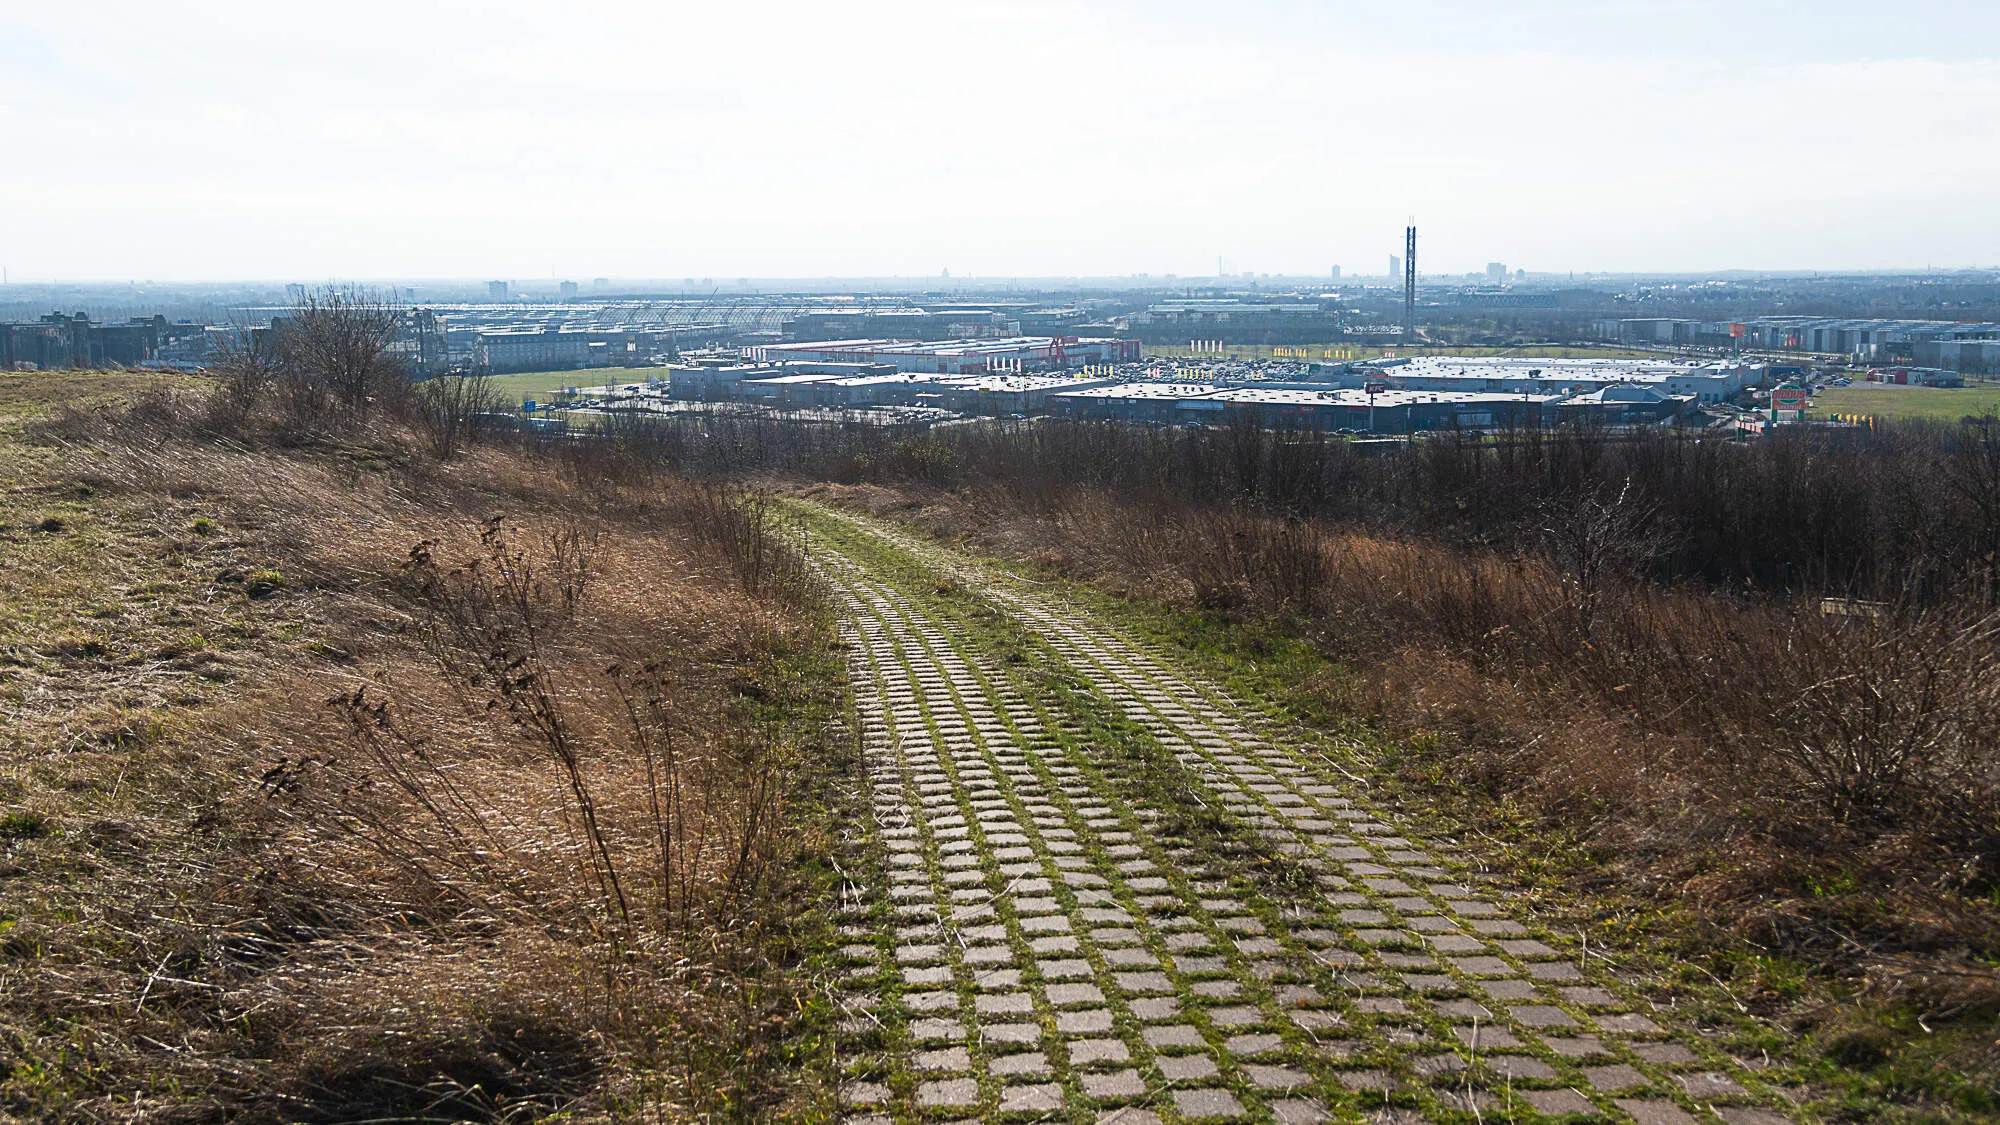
x: 1410, y: 284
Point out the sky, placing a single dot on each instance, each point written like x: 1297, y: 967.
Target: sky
x: 369, y: 140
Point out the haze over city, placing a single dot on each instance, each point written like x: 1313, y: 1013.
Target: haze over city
x: 789, y: 140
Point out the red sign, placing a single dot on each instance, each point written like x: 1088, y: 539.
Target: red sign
x: 1738, y: 331
x: 1788, y: 398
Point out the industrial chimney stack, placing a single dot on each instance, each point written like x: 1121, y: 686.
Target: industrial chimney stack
x: 1410, y: 284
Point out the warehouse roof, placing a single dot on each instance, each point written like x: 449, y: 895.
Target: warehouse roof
x: 1262, y: 396
x: 1144, y: 390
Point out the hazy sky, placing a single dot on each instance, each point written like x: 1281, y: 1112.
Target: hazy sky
x: 523, y: 140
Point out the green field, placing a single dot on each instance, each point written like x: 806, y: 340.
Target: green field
x: 543, y: 385
x: 1890, y: 401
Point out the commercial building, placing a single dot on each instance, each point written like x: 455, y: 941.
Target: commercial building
x: 1131, y: 402
x: 800, y: 385
x: 1625, y: 404
x: 1704, y: 382
x: 1296, y: 408
x: 1917, y: 376
x: 1009, y: 355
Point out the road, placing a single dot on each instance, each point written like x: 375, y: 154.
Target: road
x: 1103, y: 891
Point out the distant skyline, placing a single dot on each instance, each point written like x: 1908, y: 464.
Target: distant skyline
x: 793, y: 140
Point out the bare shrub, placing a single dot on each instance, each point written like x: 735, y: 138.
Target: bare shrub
x: 451, y: 411
x: 488, y: 623
x: 246, y: 372
x: 337, y: 340
x: 572, y: 552
x: 1597, y: 538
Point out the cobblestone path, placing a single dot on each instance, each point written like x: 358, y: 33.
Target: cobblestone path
x: 1031, y: 945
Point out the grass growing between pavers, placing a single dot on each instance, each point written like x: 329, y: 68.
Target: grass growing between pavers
x: 1008, y: 643
x: 1906, y: 1070
x: 1866, y: 1062
x: 976, y: 627
x: 1146, y: 772
x: 1011, y: 645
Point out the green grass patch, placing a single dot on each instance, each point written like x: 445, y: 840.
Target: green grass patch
x: 543, y: 386
x: 1891, y: 402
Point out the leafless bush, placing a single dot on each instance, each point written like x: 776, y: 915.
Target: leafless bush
x: 337, y: 340
x: 572, y: 549
x: 743, y: 528
x: 709, y: 812
x: 1597, y: 538
x: 451, y: 411
x: 246, y: 372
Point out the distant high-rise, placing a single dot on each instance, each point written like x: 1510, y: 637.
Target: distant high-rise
x: 1395, y: 267
x: 496, y: 290
x: 567, y: 290
x: 1496, y: 273
x: 1336, y: 273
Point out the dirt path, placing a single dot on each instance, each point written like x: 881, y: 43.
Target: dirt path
x: 1185, y: 921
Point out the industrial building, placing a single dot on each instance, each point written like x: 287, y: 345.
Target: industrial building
x: 61, y: 340
x: 942, y: 323
x: 1703, y: 382
x: 1965, y: 347
x: 1016, y: 354
x: 1973, y: 357
x: 1297, y: 408
x: 967, y: 394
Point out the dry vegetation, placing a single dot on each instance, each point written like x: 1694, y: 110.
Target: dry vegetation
x: 340, y: 782
x: 1765, y: 754
x: 1621, y: 637
x: 1804, y: 802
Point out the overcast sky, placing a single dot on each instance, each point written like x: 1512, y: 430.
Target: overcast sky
x: 664, y: 139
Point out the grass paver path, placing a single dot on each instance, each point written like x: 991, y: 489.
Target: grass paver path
x: 1130, y: 906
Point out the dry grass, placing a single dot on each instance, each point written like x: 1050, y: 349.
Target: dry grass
x: 1821, y: 786
x: 279, y: 845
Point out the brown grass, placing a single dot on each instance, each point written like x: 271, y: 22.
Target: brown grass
x: 283, y: 843
x: 1816, y: 785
